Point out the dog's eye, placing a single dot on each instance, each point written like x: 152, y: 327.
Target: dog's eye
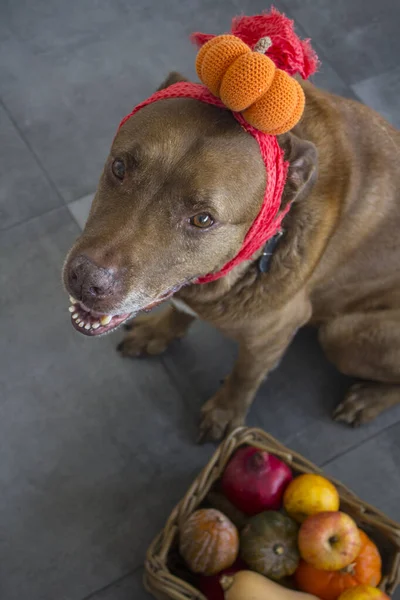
x: 203, y: 220
x: 118, y: 168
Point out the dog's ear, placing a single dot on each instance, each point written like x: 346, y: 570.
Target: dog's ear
x: 173, y: 77
x: 303, y: 167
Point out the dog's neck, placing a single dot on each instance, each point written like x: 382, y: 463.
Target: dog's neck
x: 241, y: 276
x: 287, y: 270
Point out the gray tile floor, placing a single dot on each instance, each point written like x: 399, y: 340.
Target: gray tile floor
x: 95, y: 450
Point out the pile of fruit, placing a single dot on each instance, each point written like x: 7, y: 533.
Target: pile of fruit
x: 272, y: 536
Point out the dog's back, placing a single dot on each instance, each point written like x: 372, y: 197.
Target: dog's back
x: 358, y: 168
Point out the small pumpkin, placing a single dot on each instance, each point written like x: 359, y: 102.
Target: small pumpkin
x: 212, y: 63
x: 208, y: 542
x: 280, y: 109
x: 252, y: 68
x: 268, y: 544
x: 248, y: 81
x: 328, y: 585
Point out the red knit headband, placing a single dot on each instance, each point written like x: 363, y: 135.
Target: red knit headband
x: 291, y: 55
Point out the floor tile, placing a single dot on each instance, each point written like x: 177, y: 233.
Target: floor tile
x: 382, y: 93
x: 54, y: 26
x: 376, y: 463
x: 359, y: 38
x: 129, y: 588
x: 326, y: 76
x: 95, y: 449
x: 69, y: 106
x: 80, y: 209
x: 24, y: 189
x: 328, y: 79
x: 294, y: 404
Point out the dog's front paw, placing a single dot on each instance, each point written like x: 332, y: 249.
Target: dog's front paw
x: 363, y: 403
x: 147, y: 335
x: 219, y: 416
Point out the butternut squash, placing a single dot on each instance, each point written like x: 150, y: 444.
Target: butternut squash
x: 248, y: 585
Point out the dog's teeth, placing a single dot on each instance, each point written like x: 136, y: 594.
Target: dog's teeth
x: 96, y: 325
x: 87, y: 326
x: 105, y: 320
x: 72, y: 300
x: 81, y: 323
x: 75, y: 316
x: 71, y: 309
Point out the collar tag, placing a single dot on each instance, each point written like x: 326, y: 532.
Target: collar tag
x: 264, y: 262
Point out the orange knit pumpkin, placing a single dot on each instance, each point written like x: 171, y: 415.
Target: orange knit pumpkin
x: 215, y: 57
x: 248, y: 81
x: 280, y: 109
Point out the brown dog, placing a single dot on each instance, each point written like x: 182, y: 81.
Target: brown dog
x: 179, y: 191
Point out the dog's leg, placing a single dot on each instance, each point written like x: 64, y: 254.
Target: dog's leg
x: 366, y: 346
x: 151, y: 334
x: 365, y: 401
x: 260, y: 349
x: 228, y: 408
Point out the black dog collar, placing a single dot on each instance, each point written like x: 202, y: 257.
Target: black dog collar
x: 269, y: 248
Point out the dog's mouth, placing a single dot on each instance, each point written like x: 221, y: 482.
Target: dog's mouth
x: 92, y: 323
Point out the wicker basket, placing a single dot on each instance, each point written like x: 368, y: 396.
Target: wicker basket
x: 165, y: 581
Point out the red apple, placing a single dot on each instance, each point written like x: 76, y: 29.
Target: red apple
x: 329, y: 540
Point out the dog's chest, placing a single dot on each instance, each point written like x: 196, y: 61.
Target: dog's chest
x: 183, y: 307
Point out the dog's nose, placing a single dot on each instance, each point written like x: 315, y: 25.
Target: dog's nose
x: 88, y: 282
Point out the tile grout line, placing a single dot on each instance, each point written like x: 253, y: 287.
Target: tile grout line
x: 382, y: 74
x: 174, y: 381
x: 33, y: 153
x: 47, y: 212
x: 358, y: 444
x: 112, y: 583
x: 40, y: 216
x: 68, y: 204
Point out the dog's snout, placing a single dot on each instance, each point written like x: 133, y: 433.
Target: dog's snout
x: 88, y: 282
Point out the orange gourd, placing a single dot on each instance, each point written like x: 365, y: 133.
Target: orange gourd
x: 328, y: 585
x: 208, y: 542
x: 248, y: 81
x: 270, y: 112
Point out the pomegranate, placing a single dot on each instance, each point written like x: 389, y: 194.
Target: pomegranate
x: 255, y: 480
x: 211, y: 587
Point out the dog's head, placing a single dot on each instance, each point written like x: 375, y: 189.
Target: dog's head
x: 179, y: 191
